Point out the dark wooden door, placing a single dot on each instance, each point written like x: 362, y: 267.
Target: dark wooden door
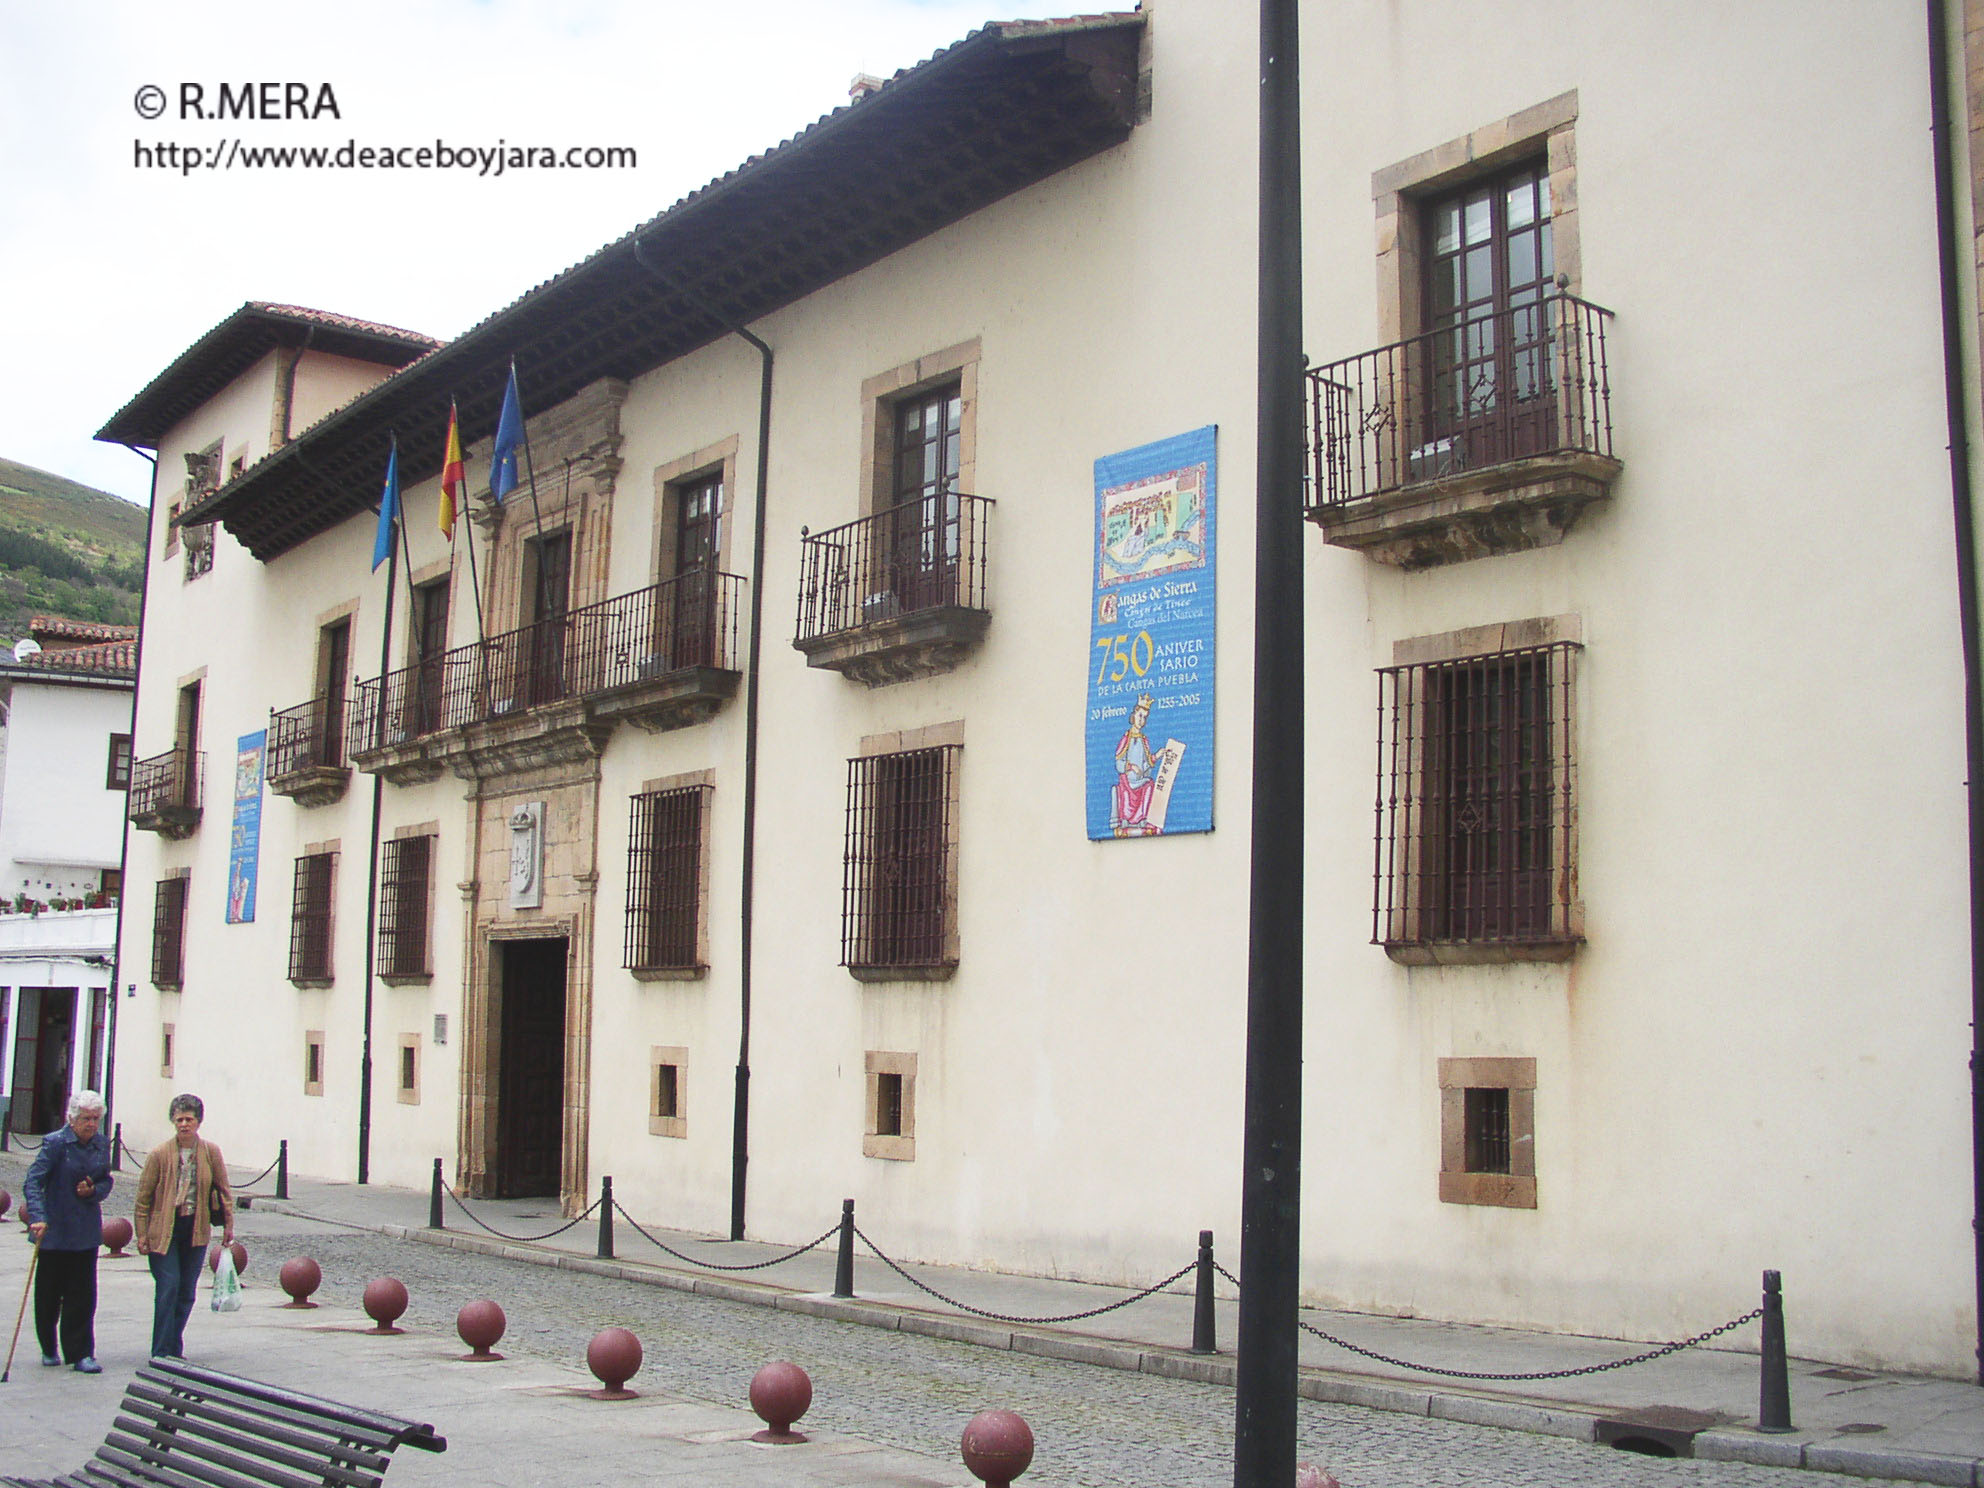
x: 430, y: 652
x: 335, y: 684
x: 46, y: 1019
x: 550, y: 603
x: 698, y: 540
x: 924, y: 542
x: 1489, y: 268
x: 187, y: 742
x: 530, y: 1112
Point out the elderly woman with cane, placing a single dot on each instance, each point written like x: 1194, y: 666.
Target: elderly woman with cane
x: 64, y: 1191
x: 183, y: 1193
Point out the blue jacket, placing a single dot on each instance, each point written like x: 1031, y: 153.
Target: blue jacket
x: 50, y: 1189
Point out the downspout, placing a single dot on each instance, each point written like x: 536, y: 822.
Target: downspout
x: 740, y: 1125
x: 1958, y: 398
x: 124, y: 841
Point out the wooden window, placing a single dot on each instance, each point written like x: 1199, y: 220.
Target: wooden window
x: 406, y: 874
x: 691, y: 602
x: 898, y: 895
x: 1476, y: 803
x: 668, y: 1091
x: 169, y: 933
x: 313, y: 1062
x: 117, y: 772
x: 427, y: 705
x: 333, y: 684
x: 310, y: 918
x: 1488, y: 1132
x: 891, y: 1124
x: 665, y: 838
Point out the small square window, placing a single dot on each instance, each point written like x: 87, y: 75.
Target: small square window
x: 117, y: 773
x: 891, y: 1126
x: 668, y: 1091
x: 165, y: 1050
x: 1488, y: 1132
x: 409, y: 1071
x: 313, y: 1063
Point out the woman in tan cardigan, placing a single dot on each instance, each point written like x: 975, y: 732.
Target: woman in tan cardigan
x: 182, y: 1190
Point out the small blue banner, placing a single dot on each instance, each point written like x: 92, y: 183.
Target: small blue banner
x: 245, y: 844
x: 1149, y: 745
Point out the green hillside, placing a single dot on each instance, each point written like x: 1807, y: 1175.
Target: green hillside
x: 65, y: 549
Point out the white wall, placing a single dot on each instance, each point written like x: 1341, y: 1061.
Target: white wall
x: 60, y: 824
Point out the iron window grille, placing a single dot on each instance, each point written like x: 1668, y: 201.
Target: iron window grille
x: 897, y: 893
x: 310, y: 919
x: 1477, y: 809
x: 665, y: 879
x: 405, y: 889
x: 169, y: 934
x: 1486, y: 1129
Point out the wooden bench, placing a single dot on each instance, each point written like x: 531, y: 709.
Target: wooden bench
x: 183, y: 1425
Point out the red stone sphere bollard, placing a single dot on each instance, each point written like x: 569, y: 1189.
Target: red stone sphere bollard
x: 997, y: 1447
x: 6, y: 1201
x: 481, y: 1325
x: 300, y: 1276
x: 116, y: 1235
x: 385, y: 1303
x: 780, y: 1393
x: 614, y: 1356
x: 239, y: 1252
x: 1308, y: 1475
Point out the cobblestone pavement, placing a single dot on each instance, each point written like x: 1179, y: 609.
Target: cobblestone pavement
x: 1094, y: 1427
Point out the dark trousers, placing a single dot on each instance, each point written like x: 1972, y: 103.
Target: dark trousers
x: 65, y: 1303
x: 175, y: 1282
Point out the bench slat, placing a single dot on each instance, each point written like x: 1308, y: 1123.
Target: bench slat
x: 181, y: 1398
x: 199, y: 1417
x: 326, y: 1463
x: 401, y: 1431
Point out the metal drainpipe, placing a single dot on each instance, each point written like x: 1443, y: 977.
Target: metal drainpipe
x: 740, y: 1129
x: 124, y: 842
x: 1958, y: 398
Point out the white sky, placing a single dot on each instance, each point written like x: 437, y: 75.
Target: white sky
x: 109, y: 271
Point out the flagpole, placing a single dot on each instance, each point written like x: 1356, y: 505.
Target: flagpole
x: 530, y: 463
x: 389, y: 497
x: 474, y: 583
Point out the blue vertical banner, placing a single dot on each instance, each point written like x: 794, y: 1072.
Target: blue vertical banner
x: 1149, y: 744
x: 244, y: 846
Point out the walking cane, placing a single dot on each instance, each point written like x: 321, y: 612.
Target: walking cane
x: 33, y: 1260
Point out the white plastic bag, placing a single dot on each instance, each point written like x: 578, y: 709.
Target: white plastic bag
x: 227, y: 1284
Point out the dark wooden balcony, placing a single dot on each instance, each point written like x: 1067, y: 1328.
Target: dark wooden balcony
x: 897, y: 595
x: 306, y: 752
x: 1491, y: 436
x: 165, y: 792
x: 663, y: 657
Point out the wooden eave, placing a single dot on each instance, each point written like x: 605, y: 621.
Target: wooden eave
x: 1006, y: 107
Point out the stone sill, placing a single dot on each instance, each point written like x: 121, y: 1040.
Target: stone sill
x: 315, y: 785
x: 1480, y: 952
x: 924, y: 643
x: 668, y: 973
x: 943, y: 971
x: 406, y: 978
x: 310, y: 984
x: 1507, y: 508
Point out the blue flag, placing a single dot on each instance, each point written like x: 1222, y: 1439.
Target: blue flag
x: 509, y: 435
x: 389, y: 509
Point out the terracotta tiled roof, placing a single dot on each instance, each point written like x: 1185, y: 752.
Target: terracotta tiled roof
x: 106, y: 658
x: 343, y: 322
x: 56, y: 627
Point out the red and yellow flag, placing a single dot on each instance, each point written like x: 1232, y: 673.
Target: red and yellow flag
x: 453, y: 476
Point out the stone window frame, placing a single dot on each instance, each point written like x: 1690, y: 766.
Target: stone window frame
x: 881, y: 393
x: 703, y: 781
x: 1468, y: 644
x: 718, y: 459
x: 675, y: 1057
x: 313, y: 1045
x: 900, y: 1145
x: 1515, y: 1189
x: 1400, y: 190
x: 950, y: 737
x: 387, y: 935
x: 408, y: 1090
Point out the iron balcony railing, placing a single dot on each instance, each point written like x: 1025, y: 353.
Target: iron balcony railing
x: 1526, y: 381
x: 309, y: 736
x: 166, y: 782
x: 925, y: 554
x: 687, y: 621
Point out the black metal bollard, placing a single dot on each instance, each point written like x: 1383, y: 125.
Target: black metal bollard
x: 606, y: 1219
x: 6, y: 1120
x: 1774, y: 1393
x: 844, y: 1261
x: 282, y: 1169
x: 1202, y: 1325
x: 117, y: 1148
x: 434, y: 1200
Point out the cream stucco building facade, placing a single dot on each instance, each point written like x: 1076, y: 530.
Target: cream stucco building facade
x: 730, y: 775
